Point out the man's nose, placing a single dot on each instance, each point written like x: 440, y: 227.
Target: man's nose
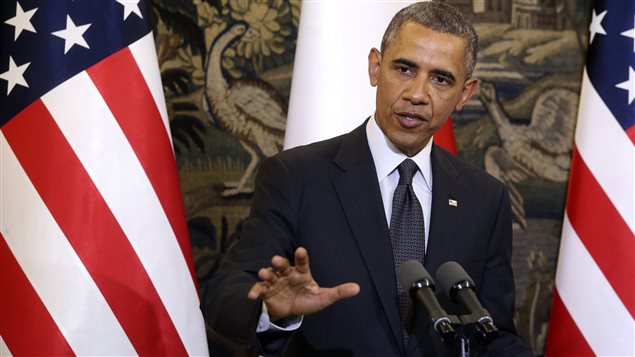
x: 418, y: 91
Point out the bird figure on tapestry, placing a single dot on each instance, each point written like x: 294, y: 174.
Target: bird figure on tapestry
x: 249, y: 109
x: 541, y: 149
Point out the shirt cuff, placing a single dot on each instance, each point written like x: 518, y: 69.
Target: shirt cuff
x: 287, y: 324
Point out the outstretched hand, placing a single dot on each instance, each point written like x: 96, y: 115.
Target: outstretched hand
x: 290, y: 290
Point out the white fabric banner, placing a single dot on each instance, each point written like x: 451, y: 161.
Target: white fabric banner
x: 330, y: 92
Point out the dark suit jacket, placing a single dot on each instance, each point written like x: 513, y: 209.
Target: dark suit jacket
x: 325, y: 197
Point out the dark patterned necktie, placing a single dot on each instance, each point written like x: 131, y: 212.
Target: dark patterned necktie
x: 407, y: 235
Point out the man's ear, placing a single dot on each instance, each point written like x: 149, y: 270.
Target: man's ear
x: 468, y: 89
x: 374, y: 63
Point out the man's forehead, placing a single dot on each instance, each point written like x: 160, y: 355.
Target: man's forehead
x: 411, y: 32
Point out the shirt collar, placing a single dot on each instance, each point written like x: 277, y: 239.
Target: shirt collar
x: 387, y: 157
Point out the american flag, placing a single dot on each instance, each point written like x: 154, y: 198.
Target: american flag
x: 94, y: 248
x: 594, y: 296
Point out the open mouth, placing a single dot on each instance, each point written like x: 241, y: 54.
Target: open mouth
x: 410, y: 120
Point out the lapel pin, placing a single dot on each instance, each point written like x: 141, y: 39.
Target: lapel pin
x: 453, y: 203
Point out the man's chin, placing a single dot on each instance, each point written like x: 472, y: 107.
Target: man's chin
x: 410, y: 148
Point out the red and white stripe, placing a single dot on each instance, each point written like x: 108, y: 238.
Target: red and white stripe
x: 95, y: 245
x: 594, y: 300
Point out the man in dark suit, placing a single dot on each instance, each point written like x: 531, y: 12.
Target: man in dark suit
x: 332, y: 201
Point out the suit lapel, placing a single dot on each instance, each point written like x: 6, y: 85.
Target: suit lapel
x: 359, y: 194
x: 445, y: 223
x: 447, y: 215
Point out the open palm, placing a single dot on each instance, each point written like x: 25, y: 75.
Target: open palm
x: 290, y: 290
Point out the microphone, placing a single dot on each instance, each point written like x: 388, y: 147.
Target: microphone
x: 415, y: 279
x: 460, y: 288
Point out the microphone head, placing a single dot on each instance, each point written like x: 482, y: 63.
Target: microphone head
x: 450, y: 274
x: 412, y: 272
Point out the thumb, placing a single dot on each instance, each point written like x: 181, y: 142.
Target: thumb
x: 343, y: 291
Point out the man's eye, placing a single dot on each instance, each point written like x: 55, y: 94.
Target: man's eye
x: 403, y: 70
x: 441, y: 80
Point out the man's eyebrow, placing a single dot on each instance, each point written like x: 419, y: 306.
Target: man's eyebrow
x: 406, y: 62
x: 440, y: 72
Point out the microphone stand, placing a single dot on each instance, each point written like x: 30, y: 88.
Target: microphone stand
x: 462, y: 345
x: 465, y: 328
x: 456, y: 339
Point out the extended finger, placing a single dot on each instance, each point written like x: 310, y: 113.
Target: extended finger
x: 340, y: 292
x: 281, y: 265
x: 301, y: 259
x: 256, y: 291
x: 268, y: 275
